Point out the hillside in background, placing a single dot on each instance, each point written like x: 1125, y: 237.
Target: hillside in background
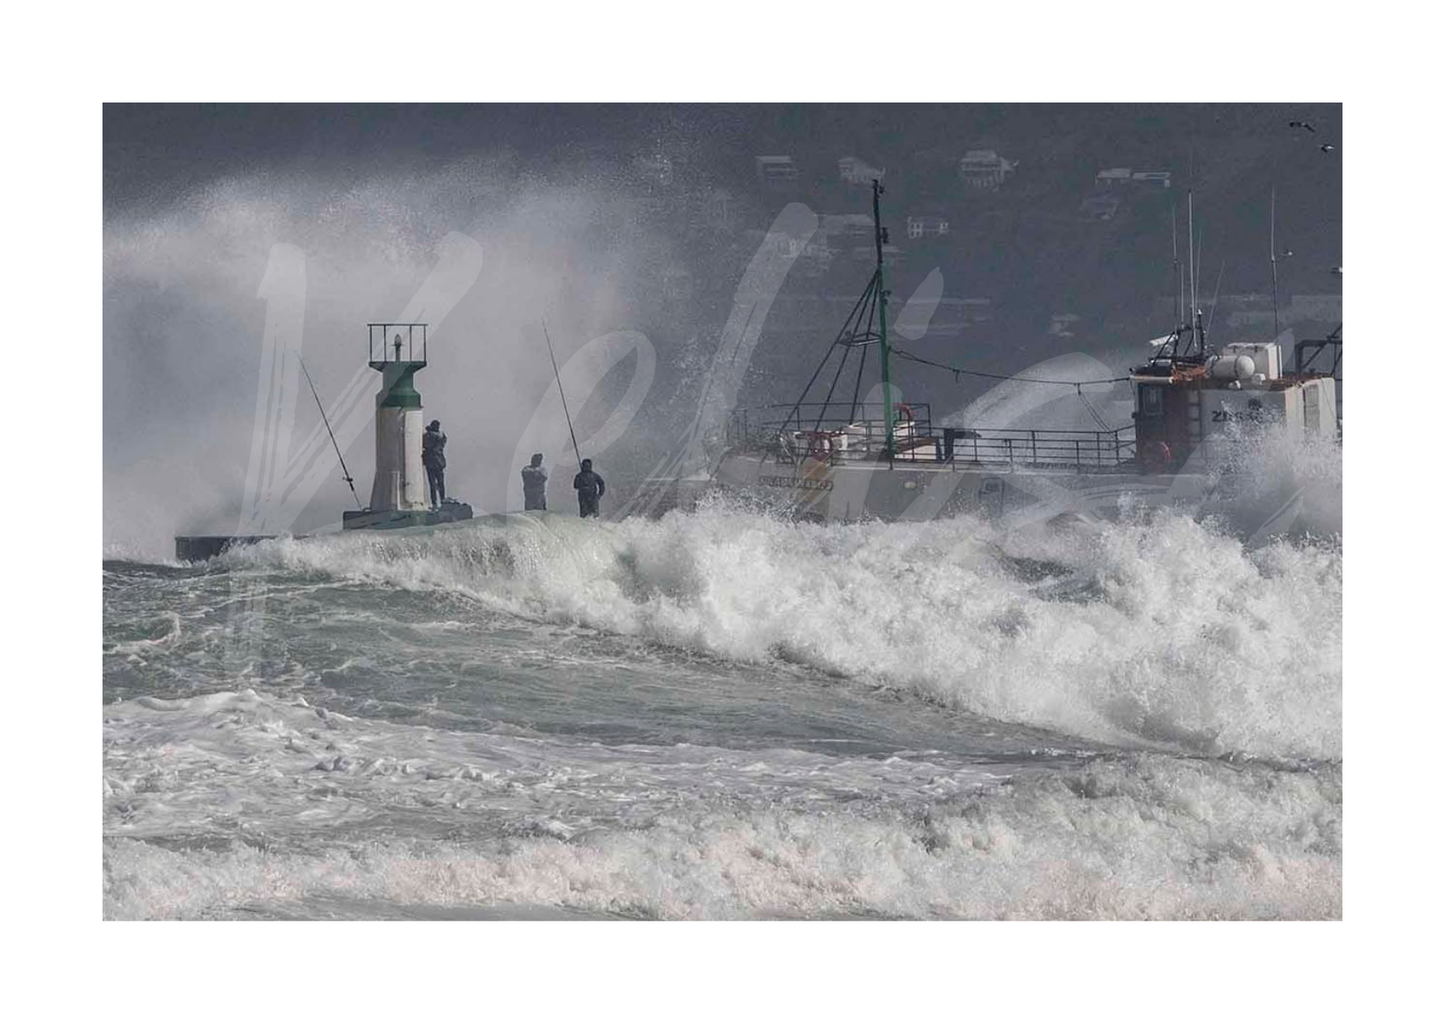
x: 643, y: 218
x: 1049, y: 262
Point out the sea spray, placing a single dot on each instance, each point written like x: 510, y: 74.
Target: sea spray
x: 1132, y: 836
x: 1156, y: 629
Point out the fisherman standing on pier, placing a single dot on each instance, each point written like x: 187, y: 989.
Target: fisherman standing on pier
x: 434, y: 458
x: 534, y: 485
x: 590, y: 487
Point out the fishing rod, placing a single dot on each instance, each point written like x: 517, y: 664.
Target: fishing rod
x: 555, y: 373
x: 345, y: 473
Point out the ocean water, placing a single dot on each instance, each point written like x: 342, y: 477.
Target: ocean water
x: 721, y: 714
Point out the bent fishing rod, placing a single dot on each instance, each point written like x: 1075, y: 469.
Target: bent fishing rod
x: 558, y: 376
x: 345, y: 473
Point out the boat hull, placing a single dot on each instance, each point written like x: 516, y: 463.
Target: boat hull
x: 857, y: 490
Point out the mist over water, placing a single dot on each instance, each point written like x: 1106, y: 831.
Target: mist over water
x: 717, y: 714
x: 636, y: 220
x: 184, y: 325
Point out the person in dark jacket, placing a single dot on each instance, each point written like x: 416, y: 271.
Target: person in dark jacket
x: 434, y: 458
x: 590, y: 487
x: 534, y: 484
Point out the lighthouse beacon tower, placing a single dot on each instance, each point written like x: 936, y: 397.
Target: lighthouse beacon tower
x: 399, y: 490
x: 398, y: 351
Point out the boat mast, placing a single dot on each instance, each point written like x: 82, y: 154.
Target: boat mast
x: 1178, y: 270
x: 880, y: 236
x: 1273, y: 269
x: 1193, y: 285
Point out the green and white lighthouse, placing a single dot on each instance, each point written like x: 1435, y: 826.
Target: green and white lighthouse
x: 399, y: 489
x: 398, y: 351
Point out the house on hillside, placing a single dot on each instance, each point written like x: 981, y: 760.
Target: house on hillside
x: 776, y: 170
x: 854, y: 171
x: 1113, y: 178
x: 983, y: 170
x: 846, y: 226
x: 928, y: 222
x: 1151, y: 179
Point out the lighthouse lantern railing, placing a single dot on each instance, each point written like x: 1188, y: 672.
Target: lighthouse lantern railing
x: 398, y: 351
x: 395, y: 343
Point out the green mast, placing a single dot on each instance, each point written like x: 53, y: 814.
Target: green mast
x: 880, y: 236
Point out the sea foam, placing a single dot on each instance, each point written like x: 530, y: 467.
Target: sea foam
x: 1156, y: 629
x: 1147, y: 836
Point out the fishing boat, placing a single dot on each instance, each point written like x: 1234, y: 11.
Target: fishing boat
x: 839, y: 458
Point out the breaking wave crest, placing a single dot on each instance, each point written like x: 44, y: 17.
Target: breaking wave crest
x: 1156, y: 630
x: 1141, y: 837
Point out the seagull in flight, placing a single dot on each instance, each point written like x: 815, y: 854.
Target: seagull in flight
x: 1302, y: 124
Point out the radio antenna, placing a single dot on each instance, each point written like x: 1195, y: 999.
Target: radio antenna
x: 345, y: 473
x: 1193, y: 282
x: 1213, y: 303
x: 1178, y: 272
x: 1273, y: 263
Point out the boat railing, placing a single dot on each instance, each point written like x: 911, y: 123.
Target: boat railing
x: 1044, y: 449
x: 842, y: 433
x: 838, y: 430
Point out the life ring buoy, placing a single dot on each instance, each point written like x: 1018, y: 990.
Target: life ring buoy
x: 820, y: 447
x: 1155, y: 456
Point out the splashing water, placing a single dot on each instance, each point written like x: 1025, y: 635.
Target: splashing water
x: 722, y: 714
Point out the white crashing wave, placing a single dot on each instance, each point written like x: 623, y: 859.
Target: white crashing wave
x: 1139, y: 836
x: 1159, y: 631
